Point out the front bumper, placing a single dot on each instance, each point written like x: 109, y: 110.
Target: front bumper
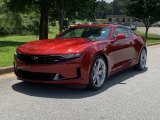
x: 70, y: 72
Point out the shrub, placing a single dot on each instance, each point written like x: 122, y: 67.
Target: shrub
x: 17, y: 23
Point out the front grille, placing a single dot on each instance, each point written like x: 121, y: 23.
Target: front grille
x: 43, y: 76
x: 37, y: 76
x: 40, y: 59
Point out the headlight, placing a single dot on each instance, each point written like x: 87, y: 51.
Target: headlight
x: 15, y: 54
x: 70, y: 56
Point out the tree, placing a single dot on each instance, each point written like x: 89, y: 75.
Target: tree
x: 44, y: 18
x: 103, y: 9
x: 74, y: 8
x: 15, y: 23
x: 117, y: 7
x: 145, y: 10
x: 87, y: 10
x: 62, y: 9
x: 41, y: 6
x: 114, y: 8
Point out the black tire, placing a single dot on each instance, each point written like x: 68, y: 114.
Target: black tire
x: 142, y: 61
x: 98, y: 74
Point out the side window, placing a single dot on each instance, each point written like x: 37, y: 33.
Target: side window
x: 104, y: 33
x: 129, y: 32
x: 125, y: 32
x: 117, y: 31
x: 122, y: 30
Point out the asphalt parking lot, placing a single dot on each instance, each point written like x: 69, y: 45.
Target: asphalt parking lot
x: 129, y: 95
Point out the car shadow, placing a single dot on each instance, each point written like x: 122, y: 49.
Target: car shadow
x: 72, y: 92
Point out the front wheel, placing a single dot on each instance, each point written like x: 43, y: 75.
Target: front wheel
x: 98, y: 73
x: 142, y: 60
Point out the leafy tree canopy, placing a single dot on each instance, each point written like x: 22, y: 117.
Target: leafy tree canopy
x: 55, y: 9
x: 145, y: 10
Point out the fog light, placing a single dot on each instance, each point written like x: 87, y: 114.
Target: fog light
x: 56, y: 77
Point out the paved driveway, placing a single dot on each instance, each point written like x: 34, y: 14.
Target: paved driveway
x: 129, y: 95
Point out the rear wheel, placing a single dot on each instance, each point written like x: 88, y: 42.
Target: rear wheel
x: 142, y: 60
x: 98, y: 73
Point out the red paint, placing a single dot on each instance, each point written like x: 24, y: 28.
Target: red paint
x: 119, y: 53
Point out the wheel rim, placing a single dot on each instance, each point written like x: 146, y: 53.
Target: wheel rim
x: 99, y: 73
x: 143, y: 59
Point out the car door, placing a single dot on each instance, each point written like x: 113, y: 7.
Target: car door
x: 121, y: 50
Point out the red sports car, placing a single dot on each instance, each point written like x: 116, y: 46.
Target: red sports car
x: 83, y: 54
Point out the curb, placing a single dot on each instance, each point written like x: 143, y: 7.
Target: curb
x: 6, y: 70
x: 11, y: 69
x: 154, y: 44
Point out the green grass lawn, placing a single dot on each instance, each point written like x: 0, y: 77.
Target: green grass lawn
x: 152, y: 38
x: 9, y: 43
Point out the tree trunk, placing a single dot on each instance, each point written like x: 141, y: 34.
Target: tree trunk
x: 43, y: 28
x: 61, y: 19
x: 146, y: 33
x: 147, y: 21
x: 63, y: 8
x: 46, y: 24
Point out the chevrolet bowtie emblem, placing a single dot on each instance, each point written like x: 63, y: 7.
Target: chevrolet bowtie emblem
x: 34, y: 58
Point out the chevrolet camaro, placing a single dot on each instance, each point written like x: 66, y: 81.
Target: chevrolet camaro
x: 81, y: 55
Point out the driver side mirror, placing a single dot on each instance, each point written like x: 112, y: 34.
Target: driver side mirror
x: 120, y: 36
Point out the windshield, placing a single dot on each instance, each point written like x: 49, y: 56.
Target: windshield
x: 91, y: 33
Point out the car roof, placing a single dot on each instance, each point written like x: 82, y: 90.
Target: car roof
x: 98, y: 25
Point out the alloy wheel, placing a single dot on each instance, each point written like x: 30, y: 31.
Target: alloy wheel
x: 98, y: 73
x: 143, y: 59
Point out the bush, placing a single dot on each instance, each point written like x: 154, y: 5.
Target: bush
x: 17, y: 23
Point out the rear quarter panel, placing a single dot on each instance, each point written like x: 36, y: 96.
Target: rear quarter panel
x: 140, y: 43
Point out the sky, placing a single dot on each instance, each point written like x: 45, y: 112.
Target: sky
x: 109, y: 1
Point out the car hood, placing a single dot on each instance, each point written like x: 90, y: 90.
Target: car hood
x: 54, y: 46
